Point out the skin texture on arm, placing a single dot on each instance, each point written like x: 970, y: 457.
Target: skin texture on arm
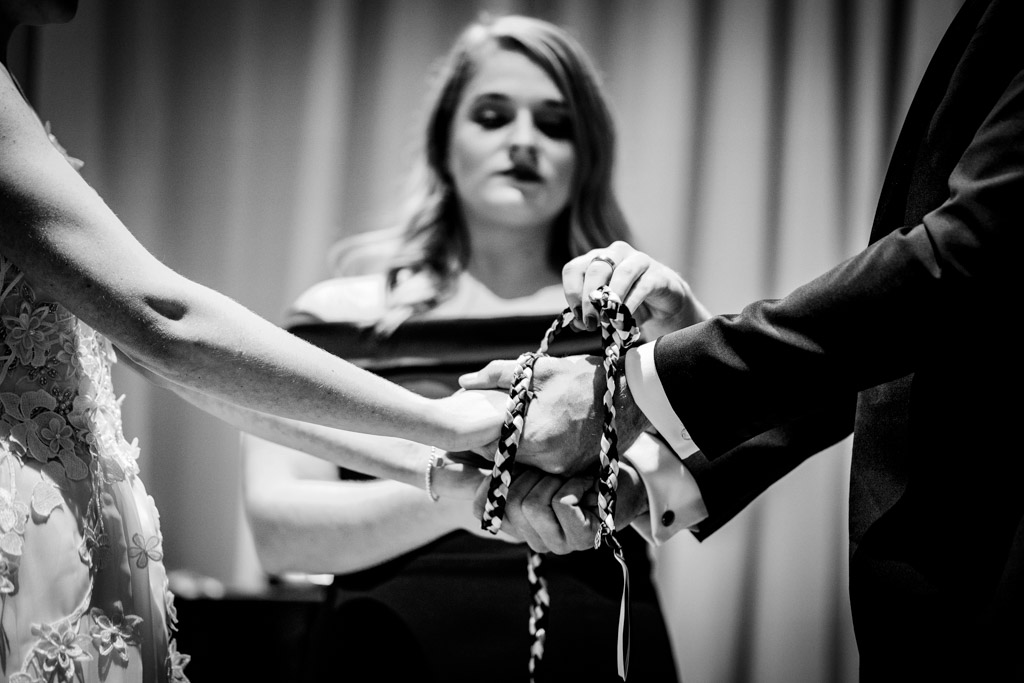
x: 305, y: 519
x: 74, y: 250
x: 380, y: 456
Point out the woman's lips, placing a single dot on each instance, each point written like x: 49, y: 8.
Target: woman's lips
x: 523, y: 174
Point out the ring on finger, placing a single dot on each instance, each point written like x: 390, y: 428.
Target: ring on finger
x: 606, y: 259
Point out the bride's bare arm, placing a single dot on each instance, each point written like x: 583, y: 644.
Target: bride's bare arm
x: 305, y: 519
x: 385, y: 457
x: 75, y: 250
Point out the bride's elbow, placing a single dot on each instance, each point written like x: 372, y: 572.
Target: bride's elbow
x: 163, y: 336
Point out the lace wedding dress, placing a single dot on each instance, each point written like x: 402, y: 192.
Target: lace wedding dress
x: 83, y: 593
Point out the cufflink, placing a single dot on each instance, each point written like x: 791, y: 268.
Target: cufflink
x: 668, y: 518
x: 685, y: 434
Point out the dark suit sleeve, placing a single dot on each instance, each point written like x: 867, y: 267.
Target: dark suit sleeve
x: 869, y: 320
x: 748, y: 387
x: 734, y: 479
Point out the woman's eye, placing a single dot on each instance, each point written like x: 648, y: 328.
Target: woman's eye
x: 490, y: 117
x: 556, y: 126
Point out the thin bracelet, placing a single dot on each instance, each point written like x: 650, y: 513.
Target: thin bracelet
x: 430, y: 469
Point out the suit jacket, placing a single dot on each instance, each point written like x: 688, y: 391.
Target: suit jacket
x: 911, y: 345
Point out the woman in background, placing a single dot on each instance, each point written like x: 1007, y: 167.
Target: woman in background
x: 514, y: 179
x: 83, y: 594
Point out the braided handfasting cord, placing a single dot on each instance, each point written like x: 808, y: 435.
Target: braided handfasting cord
x: 618, y: 332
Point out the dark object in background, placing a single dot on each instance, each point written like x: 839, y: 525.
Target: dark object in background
x: 246, y: 636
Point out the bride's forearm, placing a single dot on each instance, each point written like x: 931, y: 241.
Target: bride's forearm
x: 379, y: 456
x: 218, y: 347
x: 339, y: 527
x: 74, y: 250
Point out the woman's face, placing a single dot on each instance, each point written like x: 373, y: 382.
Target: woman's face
x: 511, y: 154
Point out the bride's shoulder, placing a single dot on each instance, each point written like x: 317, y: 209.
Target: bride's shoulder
x: 355, y: 299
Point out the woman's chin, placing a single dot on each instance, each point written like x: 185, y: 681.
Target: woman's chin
x: 514, y: 207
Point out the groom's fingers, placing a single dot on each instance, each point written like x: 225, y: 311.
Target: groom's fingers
x: 538, y: 513
x: 495, y: 375
x: 578, y: 521
x: 522, y: 484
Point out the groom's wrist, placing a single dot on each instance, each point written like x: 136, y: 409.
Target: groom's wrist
x: 630, y: 420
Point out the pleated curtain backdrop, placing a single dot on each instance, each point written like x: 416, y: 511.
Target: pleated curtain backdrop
x: 239, y: 138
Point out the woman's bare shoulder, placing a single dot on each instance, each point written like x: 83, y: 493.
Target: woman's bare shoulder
x: 357, y: 299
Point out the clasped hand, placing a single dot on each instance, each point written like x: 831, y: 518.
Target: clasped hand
x: 554, y: 514
x: 552, y: 507
x: 556, y: 510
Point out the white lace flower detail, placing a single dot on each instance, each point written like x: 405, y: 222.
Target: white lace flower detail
x: 35, y: 429
x: 30, y: 334
x: 8, y: 571
x: 45, y: 499
x: 84, y: 406
x: 21, y: 412
x: 111, y: 636
x: 13, y: 517
x: 22, y: 677
x: 170, y: 609
x: 60, y: 650
x: 176, y: 663
x: 67, y: 354
x: 56, y: 434
x: 144, y: 549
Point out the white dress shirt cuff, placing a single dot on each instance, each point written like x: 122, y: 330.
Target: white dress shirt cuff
x: 674, y: 499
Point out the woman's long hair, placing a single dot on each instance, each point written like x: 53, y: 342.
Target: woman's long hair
x: 435, y: 246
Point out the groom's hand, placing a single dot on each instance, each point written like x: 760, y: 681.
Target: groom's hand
x: 562, y: 430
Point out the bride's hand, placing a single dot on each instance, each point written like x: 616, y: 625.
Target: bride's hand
x: 455, y: 476
x: 471, y: 420
x: 459, y: 479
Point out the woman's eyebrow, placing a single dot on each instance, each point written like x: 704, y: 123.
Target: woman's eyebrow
x: 484, y: 96
x: 504, y: 97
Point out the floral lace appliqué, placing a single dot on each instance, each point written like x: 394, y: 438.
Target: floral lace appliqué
x: 30, y: 334
x: 142, y: 550
x: 60, y: 650
x: 111, y: 636
x: 8, y: 574
x: 176, y: 662
x: 13, y: 516
x: 62, y: 448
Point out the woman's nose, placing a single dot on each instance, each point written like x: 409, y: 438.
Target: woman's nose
x: 523, y: 155
x: 523, y: 140
x: 523, y: 131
